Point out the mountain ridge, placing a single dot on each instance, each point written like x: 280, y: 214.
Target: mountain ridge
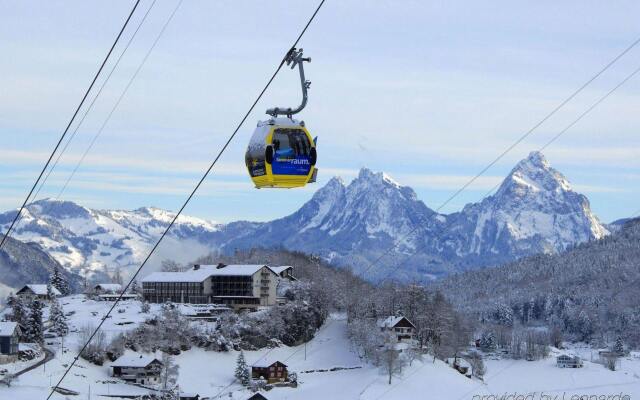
x: 534, y: 210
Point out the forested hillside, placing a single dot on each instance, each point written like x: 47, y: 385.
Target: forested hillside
x: 591, y: 292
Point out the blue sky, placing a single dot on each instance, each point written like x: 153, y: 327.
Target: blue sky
x: 428, y: 92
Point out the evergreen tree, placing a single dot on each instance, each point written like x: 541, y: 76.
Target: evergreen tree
x: 18, y: 311
x: 618, y: 347
x: 242, y: 373
x: 50, y: 293
x: 488, y: 341
x: 58, y: 281
x: 57, y: 318
x: 34, y: 322
x: 133, y: 289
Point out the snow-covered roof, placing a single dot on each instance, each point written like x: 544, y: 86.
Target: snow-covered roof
x: 204, y: 271
x: 198, y: 275
x: 113, y: 287
x: 40, y: 289
x: 267, y: 363
x: 235, y: 270
x: 135, y: 360
x: 7, y: 328
x: 390, y: 322
x: 280, y: 269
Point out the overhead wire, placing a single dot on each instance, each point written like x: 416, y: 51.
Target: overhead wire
x: 192, y: 194
x: 66, y: 130
x: 397, y: 242
x: 93, y: 101
x: 547, y: 144
x: 117, y: 103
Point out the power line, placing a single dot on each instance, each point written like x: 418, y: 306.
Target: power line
x: 115, y: 106
x: 90, y: 107
x: 193, y: 192
x: 551, y: 141
x: 506, y: 151
x: 64, y: 133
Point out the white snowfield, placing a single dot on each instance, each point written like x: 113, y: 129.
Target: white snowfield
x: 210, y: 374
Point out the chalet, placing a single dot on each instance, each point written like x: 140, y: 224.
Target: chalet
x: 270, y: 371
x: 9, y: 337
x: 116, y: 296
x: 284, y: 272
x: 30, y: 292
x: 188, y: 396
x: 107, y: 288
x: 137, y: 368
x: 257, y: 396
x: 565, y: 361
x: 403, y: 329
x: 240, y: 287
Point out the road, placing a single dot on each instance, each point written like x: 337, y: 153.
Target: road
x: 48, y: 356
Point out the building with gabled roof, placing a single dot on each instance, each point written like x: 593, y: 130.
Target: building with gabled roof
x: 137, y: 368
x: 284, y: 271
x: 107, y: 288
x: 401, y: 327
x: 9, y: 337
x: 36, y: 291
x: 271, y: 371
x: 241, y: 287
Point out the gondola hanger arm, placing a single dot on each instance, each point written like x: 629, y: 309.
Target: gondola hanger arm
x: 294, y: 58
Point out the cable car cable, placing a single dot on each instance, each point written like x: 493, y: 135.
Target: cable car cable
x: 64, y: 133
x: 548, y: 143
x: 578, y: 119
x: 90, y: 107
x: 507, y: 150
x: 191, y: 195
x: 115, y: 106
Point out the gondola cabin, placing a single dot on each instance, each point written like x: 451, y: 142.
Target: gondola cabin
x: 281, y: 154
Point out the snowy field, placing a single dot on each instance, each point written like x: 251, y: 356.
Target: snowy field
x: 210, y: 374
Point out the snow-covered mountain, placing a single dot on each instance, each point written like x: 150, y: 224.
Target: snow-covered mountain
x: 82, y: 239
x: 534, y: 211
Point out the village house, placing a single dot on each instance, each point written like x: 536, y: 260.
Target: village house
x: 9, y: 337
x: 401, y: 327
x: 137, y: 368
x: 270, y: 371
x: 240, y: 287
x: 284, y: 271
x: 107, y: 288
x: 257, y: 396
x: 39, y: 291
x: 565, y: 361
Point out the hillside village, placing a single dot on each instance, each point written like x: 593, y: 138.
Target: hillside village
x: 267, y: 328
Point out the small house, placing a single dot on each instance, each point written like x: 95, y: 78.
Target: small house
x: 107, y: 288
x: 188, y: 396
x: 270, y: 371
x: 284, y: 272
x: 401, y: 327
x: 137, y: 368
x: 39, y: 291
x: 565, y: 361
x: 257, y: 396
x: 9, y: 337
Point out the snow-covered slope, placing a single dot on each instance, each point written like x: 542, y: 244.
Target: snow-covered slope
x: 535, y: 210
